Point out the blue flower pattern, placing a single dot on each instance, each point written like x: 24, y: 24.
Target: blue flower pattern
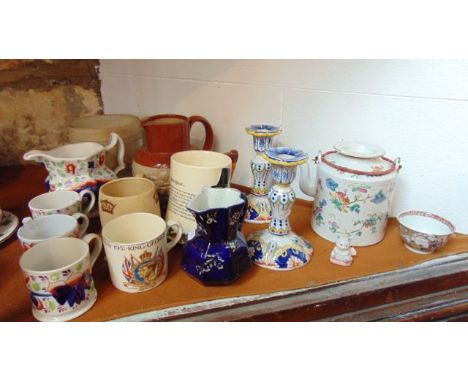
x: 331, y: 184
x: 282, y: 260
x: 355, y: 208
x: 379, y: 197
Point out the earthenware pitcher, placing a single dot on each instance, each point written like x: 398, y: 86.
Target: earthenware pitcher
x: 216, y: 253
x: 353, y: 188
x: 79, y: 166
x: 167, y: 134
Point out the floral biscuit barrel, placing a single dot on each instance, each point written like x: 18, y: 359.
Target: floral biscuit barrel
x: 353, y: 190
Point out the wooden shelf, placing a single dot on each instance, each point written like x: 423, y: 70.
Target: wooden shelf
x: 385, y: 283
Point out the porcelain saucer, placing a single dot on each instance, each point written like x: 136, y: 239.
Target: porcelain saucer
x: 8, y: 225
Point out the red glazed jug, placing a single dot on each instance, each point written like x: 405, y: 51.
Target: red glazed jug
x: 167, y: 134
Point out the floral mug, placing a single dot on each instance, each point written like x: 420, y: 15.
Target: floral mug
x: 35, y: 231
x: 59, y: 278
x: 61, y: 202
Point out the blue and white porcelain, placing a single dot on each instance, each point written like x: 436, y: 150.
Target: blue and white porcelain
x: 217, y: 253
x: 284, y: 156
x: 258, y: 208
x: 278, y: 248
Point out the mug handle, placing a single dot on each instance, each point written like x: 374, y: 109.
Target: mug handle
x: 91, y: 202
x: 208, y: 145
x: 26, y: 219
x: 234, y: 155
x: 97, y: 247
x: 180, y: 231
x: 84, y: 225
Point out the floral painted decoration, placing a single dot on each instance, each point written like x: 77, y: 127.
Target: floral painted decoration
x: 61, y: 292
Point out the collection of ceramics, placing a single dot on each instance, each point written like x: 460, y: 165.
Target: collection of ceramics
x: 352, y: 187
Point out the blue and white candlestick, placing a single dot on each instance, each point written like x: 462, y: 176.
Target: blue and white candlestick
x: 278, y: 248
x: 258, y: 208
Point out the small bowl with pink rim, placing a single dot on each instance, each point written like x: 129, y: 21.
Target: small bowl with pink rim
x: 424, y: 232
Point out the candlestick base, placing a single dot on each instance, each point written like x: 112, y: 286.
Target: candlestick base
x: 279, y: 252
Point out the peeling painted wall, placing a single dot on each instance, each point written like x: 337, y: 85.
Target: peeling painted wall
x: 38, y: 101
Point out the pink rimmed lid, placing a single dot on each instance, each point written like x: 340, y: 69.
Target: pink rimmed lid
x: 360, y: 159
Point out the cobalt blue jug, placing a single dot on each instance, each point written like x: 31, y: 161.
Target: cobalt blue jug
x: 217, y: 254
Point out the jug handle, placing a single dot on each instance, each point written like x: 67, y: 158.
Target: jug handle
x: 114, y: 139
x: 234, y: 155
x: 208, y: 145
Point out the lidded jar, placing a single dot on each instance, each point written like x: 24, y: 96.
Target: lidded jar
x: 352, y: 189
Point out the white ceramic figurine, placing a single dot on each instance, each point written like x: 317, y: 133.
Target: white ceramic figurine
x: 343, y: 253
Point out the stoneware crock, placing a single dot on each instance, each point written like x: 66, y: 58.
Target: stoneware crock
x: 98, y: 128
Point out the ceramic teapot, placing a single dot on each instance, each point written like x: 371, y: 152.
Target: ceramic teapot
x: 352, y: 189
x: 79, y: 166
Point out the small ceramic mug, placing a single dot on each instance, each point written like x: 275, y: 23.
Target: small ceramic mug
x: 127, y: 195
x: 35, y: 231
x: 58, y: 276
x: 61, y: 202
x: 136, y: 248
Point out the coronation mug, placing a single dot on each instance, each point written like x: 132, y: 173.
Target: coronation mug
x: 126, y: 195
x: 136, y: 247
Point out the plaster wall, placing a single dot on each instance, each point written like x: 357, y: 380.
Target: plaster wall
x: 415, y: 109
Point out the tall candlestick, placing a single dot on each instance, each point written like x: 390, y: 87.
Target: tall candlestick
x: 258, y: 208
x: 277, y: 247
